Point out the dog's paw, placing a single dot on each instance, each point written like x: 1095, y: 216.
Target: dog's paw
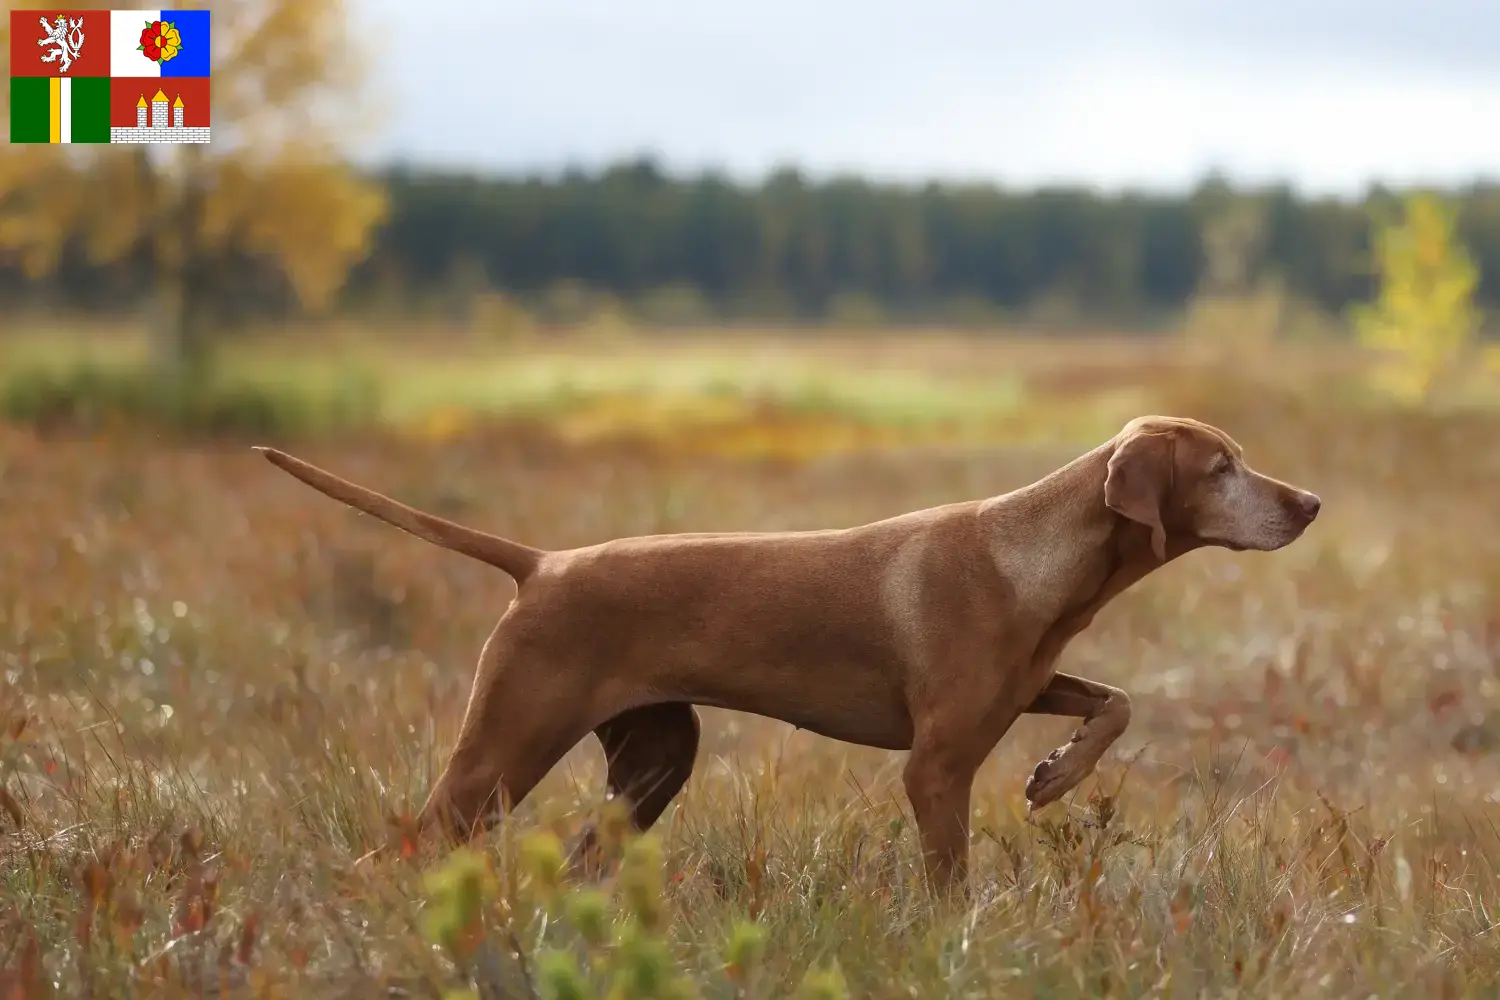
x: 1052, y: 779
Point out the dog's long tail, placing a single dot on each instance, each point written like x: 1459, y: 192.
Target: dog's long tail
x: 520, y: 561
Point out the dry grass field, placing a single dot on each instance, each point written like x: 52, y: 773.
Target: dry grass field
x: 221, y: 690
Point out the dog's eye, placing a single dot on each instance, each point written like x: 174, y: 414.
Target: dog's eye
x: 1222, y: 466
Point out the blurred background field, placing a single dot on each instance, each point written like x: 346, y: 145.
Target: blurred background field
x: 221, y: 690
x: 204, y: 647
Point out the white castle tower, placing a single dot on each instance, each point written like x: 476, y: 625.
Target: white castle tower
x: 168, y: 123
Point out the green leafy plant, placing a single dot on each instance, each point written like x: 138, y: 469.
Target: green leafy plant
x: 593, y: 943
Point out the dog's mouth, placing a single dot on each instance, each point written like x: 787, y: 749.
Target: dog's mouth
x: 1284, y: 539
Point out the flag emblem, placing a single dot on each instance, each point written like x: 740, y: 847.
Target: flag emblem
x: 64, y: 38
x: 110, y: 76
x: 160, y: 40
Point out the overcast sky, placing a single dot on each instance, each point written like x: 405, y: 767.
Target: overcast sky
x: 1328, y: 94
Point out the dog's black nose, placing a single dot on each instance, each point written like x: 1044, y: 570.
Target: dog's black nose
x: 1310, y: 504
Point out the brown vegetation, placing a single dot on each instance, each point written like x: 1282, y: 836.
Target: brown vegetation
x: 221, y: 690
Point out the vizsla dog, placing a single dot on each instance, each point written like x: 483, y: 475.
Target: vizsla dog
x: 930, y: 631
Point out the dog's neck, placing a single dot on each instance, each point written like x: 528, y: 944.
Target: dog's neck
x: 1060, y: 547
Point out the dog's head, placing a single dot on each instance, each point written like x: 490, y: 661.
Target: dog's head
x: 1188, y: 482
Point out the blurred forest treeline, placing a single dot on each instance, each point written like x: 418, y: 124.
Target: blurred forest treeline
x: 681, y: 250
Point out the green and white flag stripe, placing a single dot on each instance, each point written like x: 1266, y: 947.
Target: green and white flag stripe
x: 59, y: 109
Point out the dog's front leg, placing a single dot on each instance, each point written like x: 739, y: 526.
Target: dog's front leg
x: 1105, y: 711
x: 939, y: 777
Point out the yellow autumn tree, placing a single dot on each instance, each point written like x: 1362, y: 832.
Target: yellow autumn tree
x: 1424, y: 319
x: 270, y: 186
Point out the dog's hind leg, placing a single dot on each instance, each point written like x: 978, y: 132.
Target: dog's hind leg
x: 649, y: 753
x: 522, y: 717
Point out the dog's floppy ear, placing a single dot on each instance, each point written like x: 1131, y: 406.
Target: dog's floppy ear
x: 1139, y: 482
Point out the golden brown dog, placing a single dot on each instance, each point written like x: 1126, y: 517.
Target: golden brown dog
x: 930, y: 631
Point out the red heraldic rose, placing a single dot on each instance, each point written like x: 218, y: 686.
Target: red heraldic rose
x: 151, y: 41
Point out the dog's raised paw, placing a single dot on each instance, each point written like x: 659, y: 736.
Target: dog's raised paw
x: 1049, y: 781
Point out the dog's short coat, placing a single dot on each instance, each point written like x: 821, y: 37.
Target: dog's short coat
x: 930, y: 631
